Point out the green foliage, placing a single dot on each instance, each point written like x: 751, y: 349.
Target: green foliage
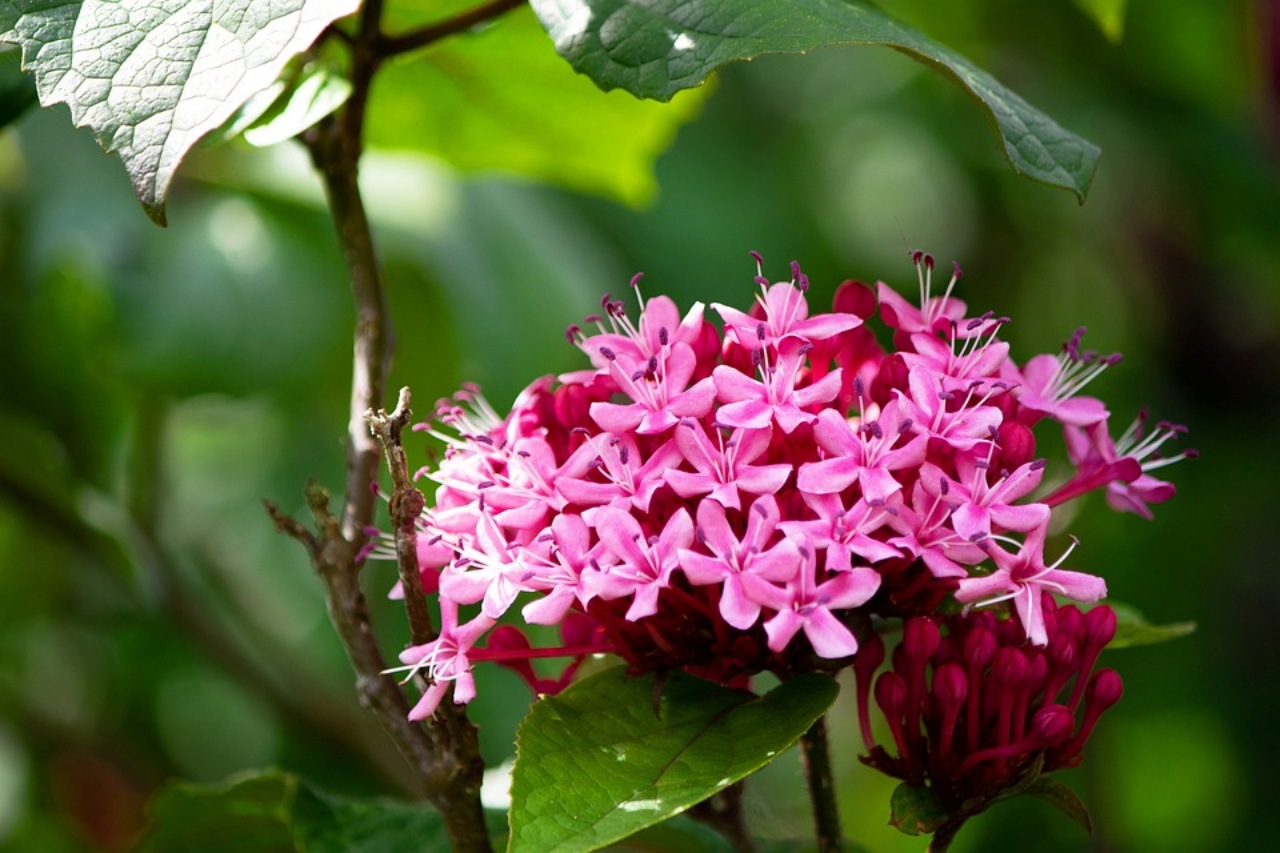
x: 1107, y: 14
x: 272, y: 811
x: 251, y: 813
x: 655, y: 48
x: 915, y: 810
x: 17, y: 91
x: 1061, y: 798
x: 284, y: 110
x: 151, y: 79
x: 1133, y: 629
x: 599, y: 761
x: 500, y: 99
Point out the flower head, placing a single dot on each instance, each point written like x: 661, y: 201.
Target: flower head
x: 757, y: 497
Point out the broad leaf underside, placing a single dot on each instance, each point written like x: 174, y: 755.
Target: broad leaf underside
x: 150, y: 77
x: 654, y: 48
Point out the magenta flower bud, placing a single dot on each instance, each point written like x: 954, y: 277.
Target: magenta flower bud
x: 1100, y: 626
x: 1052, y: 725
x: 1017, y: 445
x: 891, y: 694
x: 1037, y: 671
x: 1105, y: 690
x: 854, y: 297
x: 1070, y: 621
x: 951, y: 686
x: 920, y: 638
x: 572, y: 404
x: 1009, y: 667
x: 869, y: 656
x: 979, y: 648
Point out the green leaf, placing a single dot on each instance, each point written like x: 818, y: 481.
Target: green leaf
x: 274, y: 812
x: 150, y: 78
x: 655, y: 48
x: 1132, y: 628
x: 249, y: 814
x: 323, y: 823
x: 318, y: 92
x: 916, y: 810
x: 595, y: 764
x: 499, y: 98
x: 1061, y: 798
x: 1107, y: 14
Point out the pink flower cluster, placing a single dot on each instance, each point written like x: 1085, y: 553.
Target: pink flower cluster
x: 746, y: 497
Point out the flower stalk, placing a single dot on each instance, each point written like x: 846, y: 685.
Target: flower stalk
x: 816, y: 753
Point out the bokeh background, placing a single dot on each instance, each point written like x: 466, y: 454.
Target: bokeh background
x: 155, y: 386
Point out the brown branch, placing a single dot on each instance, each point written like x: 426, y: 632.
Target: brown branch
x: 445, y: 753
x: 413, y: 40
x: 406, y: 507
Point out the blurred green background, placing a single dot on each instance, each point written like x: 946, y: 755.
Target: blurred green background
x: 155, y: 386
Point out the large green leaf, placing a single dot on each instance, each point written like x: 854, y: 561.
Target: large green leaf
x: 275, y: 812
x: 655, y: 48
x: 501, y: 99
x: 596, y: 763
x: 150, y: 77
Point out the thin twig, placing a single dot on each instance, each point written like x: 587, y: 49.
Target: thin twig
x: 415, y: 39
x: 817, y: 767
x: 406, y: 507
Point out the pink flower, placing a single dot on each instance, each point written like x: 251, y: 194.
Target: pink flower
x: 932, y: 313
x: 1023, y: 576
x: 1122, y: 466
x: 867, y: 453
x: 786, y: 313
x: 660, y: 389
x: 609, y: 469
x: 645, y: 562
x: 1049, y: 385
x: 730, y: 558
x: 753, y: 404
x: 844, y: 533
x: 722, y: 468
x: 445, y: 660
x: 925, y: 534
x: 947, y: 415
x: 804, y: 604
x: 978, y: 504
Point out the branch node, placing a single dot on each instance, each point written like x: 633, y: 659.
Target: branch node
x: 289, y: 525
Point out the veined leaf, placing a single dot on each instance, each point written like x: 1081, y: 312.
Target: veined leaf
x: 150, y: 77
x: 655, y: 48
x: 596, y: 763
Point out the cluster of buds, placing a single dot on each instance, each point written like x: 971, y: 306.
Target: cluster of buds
x: 763, y: 494
x: 973, y: 711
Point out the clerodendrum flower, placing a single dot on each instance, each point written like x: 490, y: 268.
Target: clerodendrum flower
x: 761, y: 496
